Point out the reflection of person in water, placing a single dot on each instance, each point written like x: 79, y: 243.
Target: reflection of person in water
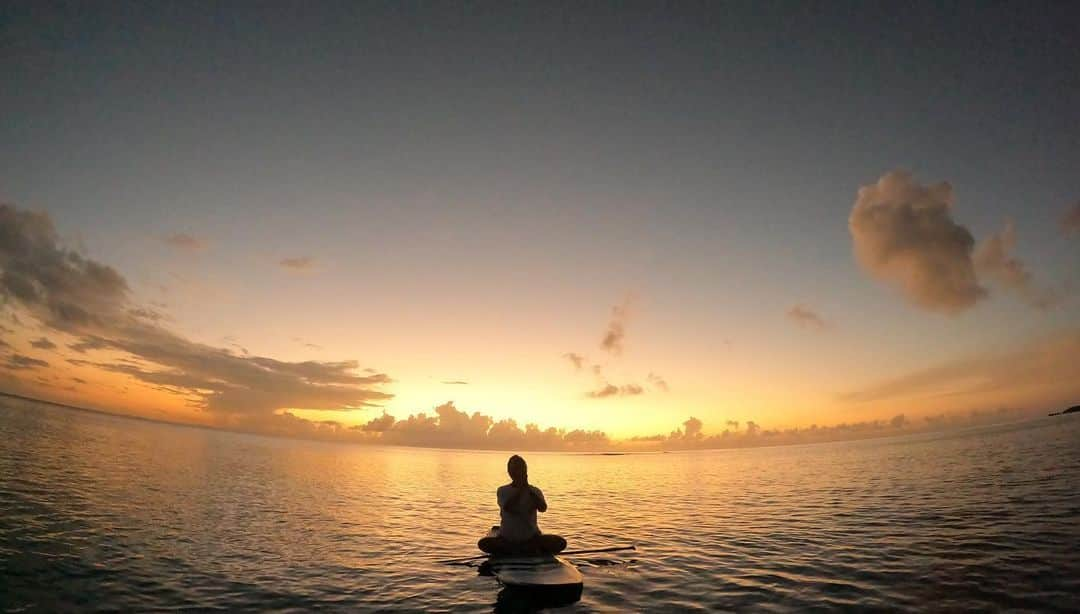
x: 518, y: 503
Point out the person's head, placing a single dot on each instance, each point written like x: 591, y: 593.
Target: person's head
x: 518, y: 470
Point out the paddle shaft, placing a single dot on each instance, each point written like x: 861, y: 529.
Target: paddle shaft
x: 587, y: 551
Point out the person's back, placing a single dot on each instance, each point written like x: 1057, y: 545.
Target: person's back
x: 519, y: 502
x: 517, y: 511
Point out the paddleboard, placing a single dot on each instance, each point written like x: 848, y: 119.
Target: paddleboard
x: 535, y: 571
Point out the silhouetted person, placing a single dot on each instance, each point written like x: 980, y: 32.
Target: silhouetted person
x: 518, y: 503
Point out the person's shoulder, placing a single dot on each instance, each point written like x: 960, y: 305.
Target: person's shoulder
x: 536, y: 489
x: 504, y: 488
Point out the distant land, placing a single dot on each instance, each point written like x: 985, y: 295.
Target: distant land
x: 1071, y: 410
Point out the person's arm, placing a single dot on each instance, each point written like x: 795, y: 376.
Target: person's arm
x: 538, y: 498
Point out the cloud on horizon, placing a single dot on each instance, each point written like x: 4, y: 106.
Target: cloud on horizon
x: 904, y: 235
x: 71, y: 294
x: 692, y: 436
x: 451, y: 427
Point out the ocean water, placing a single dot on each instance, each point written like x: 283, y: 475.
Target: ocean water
x: 100, y: 512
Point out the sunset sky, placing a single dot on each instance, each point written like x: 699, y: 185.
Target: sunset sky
x: 590, y: 220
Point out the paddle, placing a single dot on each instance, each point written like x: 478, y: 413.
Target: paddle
x: 587, y: 551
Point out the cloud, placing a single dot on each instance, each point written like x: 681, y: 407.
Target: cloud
x: 451, y: 427
x: 455, y: 382
x: 612, y: 341
x: 992, y: 258
x: 904, y: 234
x: 692, y: 434
x: 89, y: 343
x: 43, y: 343
x: 61, y: 288
x: 610, y: 390
x: 575, y: 359
x: 691, y: 431
x: 147, y: 313
x: 1070, y: 221
x: 1050, y: 366
x: 303, y: 263
x: 184, y: 241
x: 379, y: 425
x: 607, y: 390
x: 658, y: 382
x: 806, y: 317
x: 19, y: 362
x: 71, y: 294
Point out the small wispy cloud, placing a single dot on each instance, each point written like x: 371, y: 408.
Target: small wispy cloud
x: 19, y: 362
x: 575, y: 359
x: 299, y: 264
x: 806, y: 317
x: 1049, y: 364
x: 612, y: 341
x: 184, y: 241
x: 88, y: 343
x: 456, y: 382
x: 1070, y: 221
x: 611, y: 390
x: 658, y: 382
x: 42, y: 343
x: 308, y: 345
x: 994, y: 259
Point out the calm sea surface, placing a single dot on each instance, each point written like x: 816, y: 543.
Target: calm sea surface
x: 98, y: 512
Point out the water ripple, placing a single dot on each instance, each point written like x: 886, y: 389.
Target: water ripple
x: 106, y: 513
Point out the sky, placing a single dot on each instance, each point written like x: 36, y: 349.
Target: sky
x: 441, y: 223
